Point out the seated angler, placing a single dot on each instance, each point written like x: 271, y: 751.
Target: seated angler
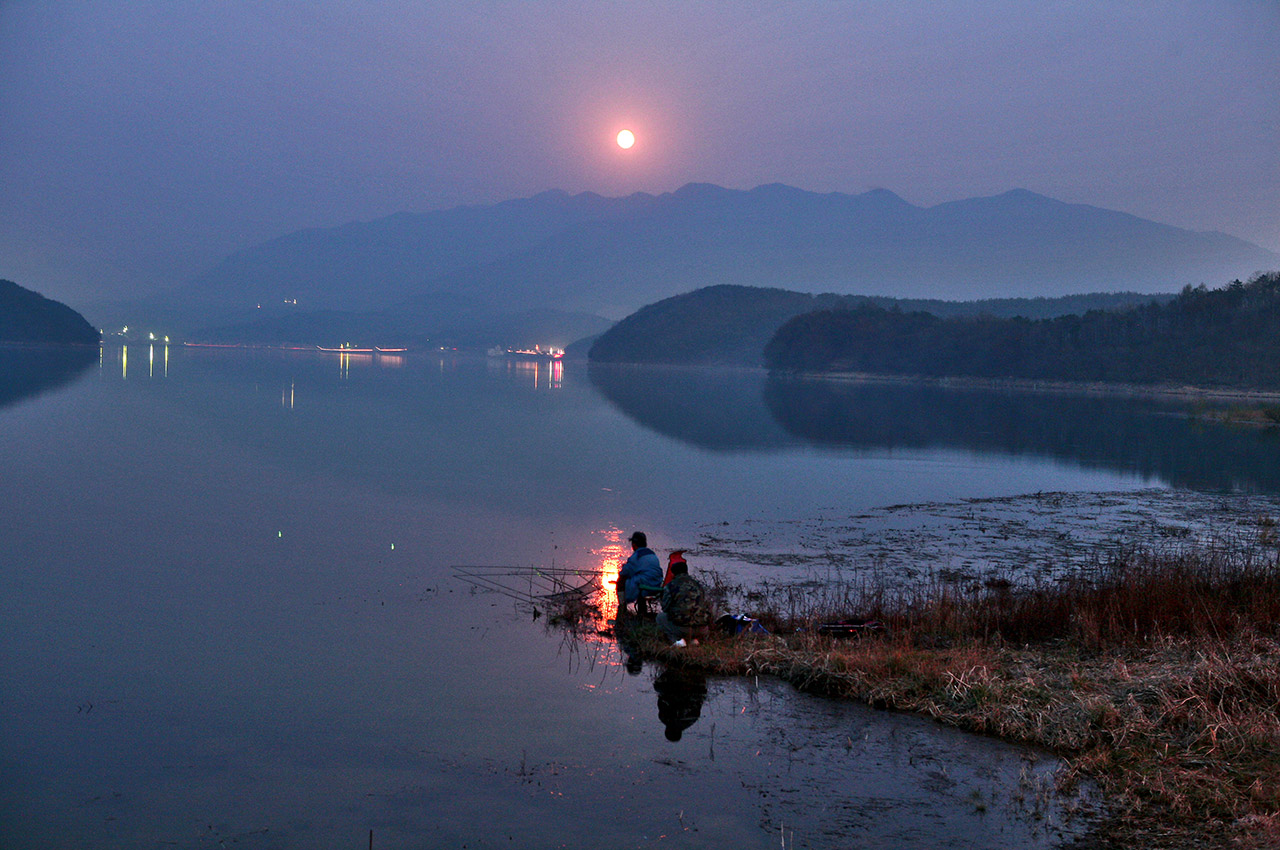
x: 686, y: 610
x: 640, y: 576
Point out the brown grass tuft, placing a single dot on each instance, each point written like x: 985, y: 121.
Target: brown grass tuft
x: 1155, y: 675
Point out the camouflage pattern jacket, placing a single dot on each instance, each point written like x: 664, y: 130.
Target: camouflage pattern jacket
x: 685, y: 602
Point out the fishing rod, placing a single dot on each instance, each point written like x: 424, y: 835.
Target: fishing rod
x: 551, y: 581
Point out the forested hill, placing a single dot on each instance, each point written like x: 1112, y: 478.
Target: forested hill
x: 28, y: 317
x: 730, y: 325
x: 1204, y: 337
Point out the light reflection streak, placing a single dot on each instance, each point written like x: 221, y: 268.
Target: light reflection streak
x: 609, y: 557
x: 345, y: 360
x: 554, y: 372
x: 151, y: 361
x: 124, y: 362
x: 286, y: 397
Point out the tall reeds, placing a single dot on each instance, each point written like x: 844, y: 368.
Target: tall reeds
x: 1156, y: 674
x: 1132, y: 597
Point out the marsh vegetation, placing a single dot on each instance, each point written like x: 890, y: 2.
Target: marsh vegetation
x: 1154, y: 672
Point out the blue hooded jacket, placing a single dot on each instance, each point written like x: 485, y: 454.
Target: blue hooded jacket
x: 642, y: 567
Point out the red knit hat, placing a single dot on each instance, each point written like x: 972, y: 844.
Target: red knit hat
x: 676, y: 557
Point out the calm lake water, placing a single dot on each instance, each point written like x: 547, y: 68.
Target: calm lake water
x: 228, y: 614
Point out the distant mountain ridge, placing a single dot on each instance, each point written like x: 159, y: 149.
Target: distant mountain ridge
x: 587, y: 254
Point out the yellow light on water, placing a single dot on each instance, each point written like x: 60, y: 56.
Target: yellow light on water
x: 610, y: 557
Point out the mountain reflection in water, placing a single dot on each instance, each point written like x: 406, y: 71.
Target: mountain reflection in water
x: 1154, y: 438
x: 229, y: 617
x: 28, y: 372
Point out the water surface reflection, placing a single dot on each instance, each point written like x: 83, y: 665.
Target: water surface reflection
x: 243, y: 565
x: 26, y: 372
x: 1150, y: 437
x: 681, y: 694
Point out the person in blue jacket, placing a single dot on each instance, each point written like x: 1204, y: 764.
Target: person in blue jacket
x: 642, y: 569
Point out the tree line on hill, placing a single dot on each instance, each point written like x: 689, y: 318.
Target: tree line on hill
x: 1228, y: 336
x: 730, y: 325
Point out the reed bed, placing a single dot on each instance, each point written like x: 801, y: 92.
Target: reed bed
x: 1154, y: 674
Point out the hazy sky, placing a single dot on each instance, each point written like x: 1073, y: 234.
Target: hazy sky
x: 142, y: 141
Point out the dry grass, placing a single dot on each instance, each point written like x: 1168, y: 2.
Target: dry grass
x: 1268, y: 414
x: 1156, y: 676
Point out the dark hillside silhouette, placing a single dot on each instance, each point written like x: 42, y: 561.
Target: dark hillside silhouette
x: 28, y: 318
x: 730, y: 325
x: 1206, y: 337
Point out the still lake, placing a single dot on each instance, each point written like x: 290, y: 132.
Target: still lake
x: 228, y: 614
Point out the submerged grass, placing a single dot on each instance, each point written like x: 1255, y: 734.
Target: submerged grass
x: 1156, y: 675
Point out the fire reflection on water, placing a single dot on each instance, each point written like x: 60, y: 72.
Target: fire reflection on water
x: 609, y: 558
x: 586, y: 621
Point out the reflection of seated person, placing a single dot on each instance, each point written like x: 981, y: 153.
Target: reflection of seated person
x: 686, y: 610
x: 632, y: 658
x: 680, y: 697
x: 640, y: 576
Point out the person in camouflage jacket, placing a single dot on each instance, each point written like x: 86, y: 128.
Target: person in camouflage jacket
x: 686, y: 610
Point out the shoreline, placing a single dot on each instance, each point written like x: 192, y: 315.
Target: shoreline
x: 1158, y: 680
x: 1186, y: 392
x: 1012, y: 694
x: 1097, y: 388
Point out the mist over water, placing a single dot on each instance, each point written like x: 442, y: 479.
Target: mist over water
x: 228, y: 614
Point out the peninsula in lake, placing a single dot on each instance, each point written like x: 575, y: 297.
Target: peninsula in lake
x: 1225, y: 337
x: 730, y: 325
x: 28, y: 318
x: 43, y: 343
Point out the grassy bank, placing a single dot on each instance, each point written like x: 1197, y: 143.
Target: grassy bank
x: 1265, y: 415
x: 1156, y: 675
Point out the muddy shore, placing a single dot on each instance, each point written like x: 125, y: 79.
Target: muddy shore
x: 1144, y: 652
